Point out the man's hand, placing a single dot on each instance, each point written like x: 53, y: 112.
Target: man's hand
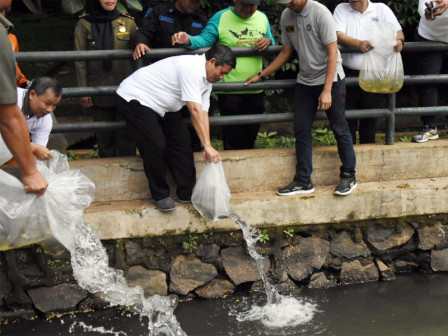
x: 439, y: 7
x: 253, y: 79
x: 324, y: 100
x: 180, y: 38
x: 210, y: 154
x: 262, y: 43
x: 41, y: 152
x: 365, y: 46
x: 140, y: 50
x: 35, y: 183
x: 86, y: 102
x: 399, y: 46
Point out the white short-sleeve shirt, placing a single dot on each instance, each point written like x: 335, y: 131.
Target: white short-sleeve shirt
x: 39, y: 128
x: 433, y: 30
x: 353, y: 23
x: 309, y: 32
x: 167, y: 85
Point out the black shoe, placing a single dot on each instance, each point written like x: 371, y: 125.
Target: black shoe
x: 165, y: 204
x: 347, y: 185
x: 295, y: 188
x: 184, y: 201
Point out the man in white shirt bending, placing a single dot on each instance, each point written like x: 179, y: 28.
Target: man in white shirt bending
x: 151, y: 99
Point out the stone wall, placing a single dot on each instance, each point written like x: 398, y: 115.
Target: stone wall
x: 212, y: 265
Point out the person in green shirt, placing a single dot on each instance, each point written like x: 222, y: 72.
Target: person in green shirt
x: 236, y: 26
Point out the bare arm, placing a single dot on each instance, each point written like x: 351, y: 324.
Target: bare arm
x: 363, y: 45
x: 40, y: 152
x: 400, y: 41
x: 325, y: 96
x: 14, y: 130
x: 201, y: 125
x: 282, y: 57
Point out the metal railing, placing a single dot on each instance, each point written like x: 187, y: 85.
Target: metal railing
x: 390, y: 112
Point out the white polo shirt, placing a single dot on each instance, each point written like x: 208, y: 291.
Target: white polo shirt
x: 353, y: 23
x: 308, y: 32
x: 167, y: 85
x: 39, y: 128
x: 435, y: 30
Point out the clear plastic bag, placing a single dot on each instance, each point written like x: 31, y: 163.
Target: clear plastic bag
x: 382, y: 67
x: 26, y: 219
x: 211, y: 194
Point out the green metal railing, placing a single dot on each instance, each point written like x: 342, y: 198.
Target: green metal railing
x: 154, y: 54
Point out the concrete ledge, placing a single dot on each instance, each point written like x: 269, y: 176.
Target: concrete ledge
x: 390, y: 199
x: 405, y: 179
x: 123, y: 179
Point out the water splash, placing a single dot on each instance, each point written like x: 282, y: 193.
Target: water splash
x: 61, y: 210
x: 90, y: 268
x: 287, y: 312
x: 99, y: 330
x: 252, y: 236
x: 280, y: 311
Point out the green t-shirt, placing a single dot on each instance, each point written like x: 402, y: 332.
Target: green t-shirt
x: 227, y: 28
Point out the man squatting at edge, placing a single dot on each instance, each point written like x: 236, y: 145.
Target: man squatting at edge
x: 13, y: 127
x: 151, y: 99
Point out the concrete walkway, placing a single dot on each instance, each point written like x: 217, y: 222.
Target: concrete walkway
x: 405, y: 179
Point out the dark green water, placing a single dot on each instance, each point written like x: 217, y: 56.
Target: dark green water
x: 413, y: 305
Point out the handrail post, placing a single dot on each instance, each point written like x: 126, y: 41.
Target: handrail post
x: 390, y: 119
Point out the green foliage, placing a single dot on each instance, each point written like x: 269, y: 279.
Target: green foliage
x: 289, y: 233
x: 22, y: 258
x: 323, y: 137
x: 405, y: 139
x: 217, y: 144
x: 264, y: 236
x: 406, y: 11
x: 266, y: 140
x: 80, y: 155
x: 53, y: 263
x: 286, y: 142
x: 191, y: 243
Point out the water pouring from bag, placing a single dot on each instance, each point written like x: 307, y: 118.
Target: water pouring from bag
x: 211, y: 197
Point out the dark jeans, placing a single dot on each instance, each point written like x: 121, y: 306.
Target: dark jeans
x: 306, y: 102
x: 111, y: 143
x: 357, y: 98
x: 163, y: 142
x: 240, y: 136
x: 430, y: 63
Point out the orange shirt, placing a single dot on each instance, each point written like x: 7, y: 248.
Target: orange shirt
x: 20, y: 77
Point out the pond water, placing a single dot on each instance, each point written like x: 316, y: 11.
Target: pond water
x: 414, y: 304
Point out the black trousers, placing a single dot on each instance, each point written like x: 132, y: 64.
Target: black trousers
x: 111, y: 143
x: 164, y: 143
x: 240, y: 136
x: 357, y: 98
